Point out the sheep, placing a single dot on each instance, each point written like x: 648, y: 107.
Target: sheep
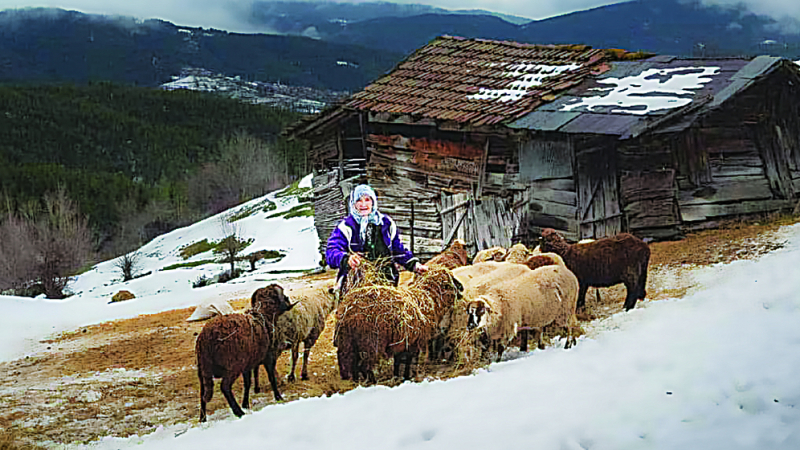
x: 490, y: 254
x: 537, y: 260
x: 603, y: 263
x: 485, y: 273
x: 234, y: 344
x: 531, y: 300
x: 454, y: 256
x: 375, y: 321
x: 303, y: 324
x: 518, y: 253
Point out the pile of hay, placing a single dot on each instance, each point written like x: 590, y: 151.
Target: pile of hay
x: 403, y: 315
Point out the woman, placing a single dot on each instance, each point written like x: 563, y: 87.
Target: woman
x: 368, y: 234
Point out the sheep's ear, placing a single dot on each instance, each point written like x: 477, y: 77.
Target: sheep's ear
x: 457, y: 284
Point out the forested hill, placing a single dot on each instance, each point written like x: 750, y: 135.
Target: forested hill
x: 53, y: 45
x: 119, y: 150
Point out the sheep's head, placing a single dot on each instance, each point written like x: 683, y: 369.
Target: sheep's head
x: 270, y: 301
x: 477, y: 313
x: 536, y: 261
x: 550, y: 240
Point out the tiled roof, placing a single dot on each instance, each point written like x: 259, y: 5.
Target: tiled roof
x: 478, y: 81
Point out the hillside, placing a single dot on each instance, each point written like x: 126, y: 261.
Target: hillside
x: 53, y: 45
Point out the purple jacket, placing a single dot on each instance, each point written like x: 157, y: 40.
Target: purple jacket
x: 345, y: 238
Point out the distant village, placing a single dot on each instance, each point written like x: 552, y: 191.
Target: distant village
x: 301, y: 99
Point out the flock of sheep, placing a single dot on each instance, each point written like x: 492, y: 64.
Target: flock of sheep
x: 502, y: 295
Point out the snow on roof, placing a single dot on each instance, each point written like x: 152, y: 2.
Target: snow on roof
x: 528, y: 76
x: 651, y: 90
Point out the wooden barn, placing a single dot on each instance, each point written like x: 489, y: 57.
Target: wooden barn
x: 491, y: 141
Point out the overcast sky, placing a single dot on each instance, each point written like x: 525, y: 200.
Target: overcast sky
x: 228, y: 14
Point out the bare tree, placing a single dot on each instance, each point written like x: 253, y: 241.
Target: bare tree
x: 129, y: 264
x: 247, y: 168
x: 231, y: 243
x: 63, y: 242
x: 17, y: 253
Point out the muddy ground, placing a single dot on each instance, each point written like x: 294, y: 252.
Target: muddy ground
x: 129, y: 376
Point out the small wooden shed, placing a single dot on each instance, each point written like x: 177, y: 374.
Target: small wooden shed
x: 491, y: 141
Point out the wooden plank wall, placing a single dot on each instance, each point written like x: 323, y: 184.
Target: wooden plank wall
x: 553, y: 204
x: 329, y: 205
x: 740, y: 182
x: 599, y: 211
x: 650, y: 204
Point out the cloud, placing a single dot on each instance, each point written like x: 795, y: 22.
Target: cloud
x: 785, y: 12
x: 227, y: 15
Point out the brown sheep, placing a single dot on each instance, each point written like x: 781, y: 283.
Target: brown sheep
x: 234, y: 344
x: 384, y: 321
x: 603, y: 263
x: 454, y: 256
x: 543, y: 259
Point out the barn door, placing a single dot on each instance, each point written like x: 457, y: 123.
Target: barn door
x: 455, y: 212
x: 598, y: 194
x: 480, y: 223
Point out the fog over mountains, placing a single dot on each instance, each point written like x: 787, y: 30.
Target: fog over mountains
x: 343, y: 46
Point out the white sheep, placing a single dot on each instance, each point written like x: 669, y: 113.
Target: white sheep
x: 303, y: 324
x: 490, y: 254
x: 531, y: 300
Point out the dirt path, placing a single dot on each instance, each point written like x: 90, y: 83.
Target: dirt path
x: 130, y: 376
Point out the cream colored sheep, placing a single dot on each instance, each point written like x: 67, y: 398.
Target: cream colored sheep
x: 532, y: 300
x: 490, y: 254
x: 468, y: 275
x: 518, y: 253
x: 303, y: 324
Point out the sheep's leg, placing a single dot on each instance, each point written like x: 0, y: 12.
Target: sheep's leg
x: 295, y: 353
x: 398, y: 360
x: 225, y: 386
x: 581, y: 304
x: 410, y: 358
x: 307, y: 344
x: 246, y: 397
x: 523, y: 340
x: 256, y: 387
x: 631, y: 297
x: 206, y: 392
x: 269, y: 364
x: 500, y: 350
x: 306, y: 355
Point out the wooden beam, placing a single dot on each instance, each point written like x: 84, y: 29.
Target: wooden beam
x: 482, y: 170
x: 449, y: 239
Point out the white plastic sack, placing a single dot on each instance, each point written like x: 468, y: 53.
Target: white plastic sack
x: 210, y: 309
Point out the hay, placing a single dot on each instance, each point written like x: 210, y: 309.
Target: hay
x: 403, y: 314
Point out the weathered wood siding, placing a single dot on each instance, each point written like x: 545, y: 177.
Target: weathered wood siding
x: 599, y: 212
x: 546, y: 168
x: 329, y: 205
x: 751, y: 150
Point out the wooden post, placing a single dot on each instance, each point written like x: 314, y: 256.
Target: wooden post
x: 412, y: 227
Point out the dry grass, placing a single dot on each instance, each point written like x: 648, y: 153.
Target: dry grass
x: 129, y: 376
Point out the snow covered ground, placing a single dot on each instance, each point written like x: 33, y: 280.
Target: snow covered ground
x: 716, y: 369
x: 28, y: 320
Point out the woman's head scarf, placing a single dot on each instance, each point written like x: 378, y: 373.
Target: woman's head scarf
x: 362, y: 190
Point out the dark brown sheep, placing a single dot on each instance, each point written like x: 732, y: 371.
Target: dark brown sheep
x: 235, y: 344
x: 384, y: 321
x: 454, y: 256
x: 605, y: 262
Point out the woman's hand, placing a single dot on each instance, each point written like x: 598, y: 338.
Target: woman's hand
x: 420, y: 268
x: 354, y: 260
